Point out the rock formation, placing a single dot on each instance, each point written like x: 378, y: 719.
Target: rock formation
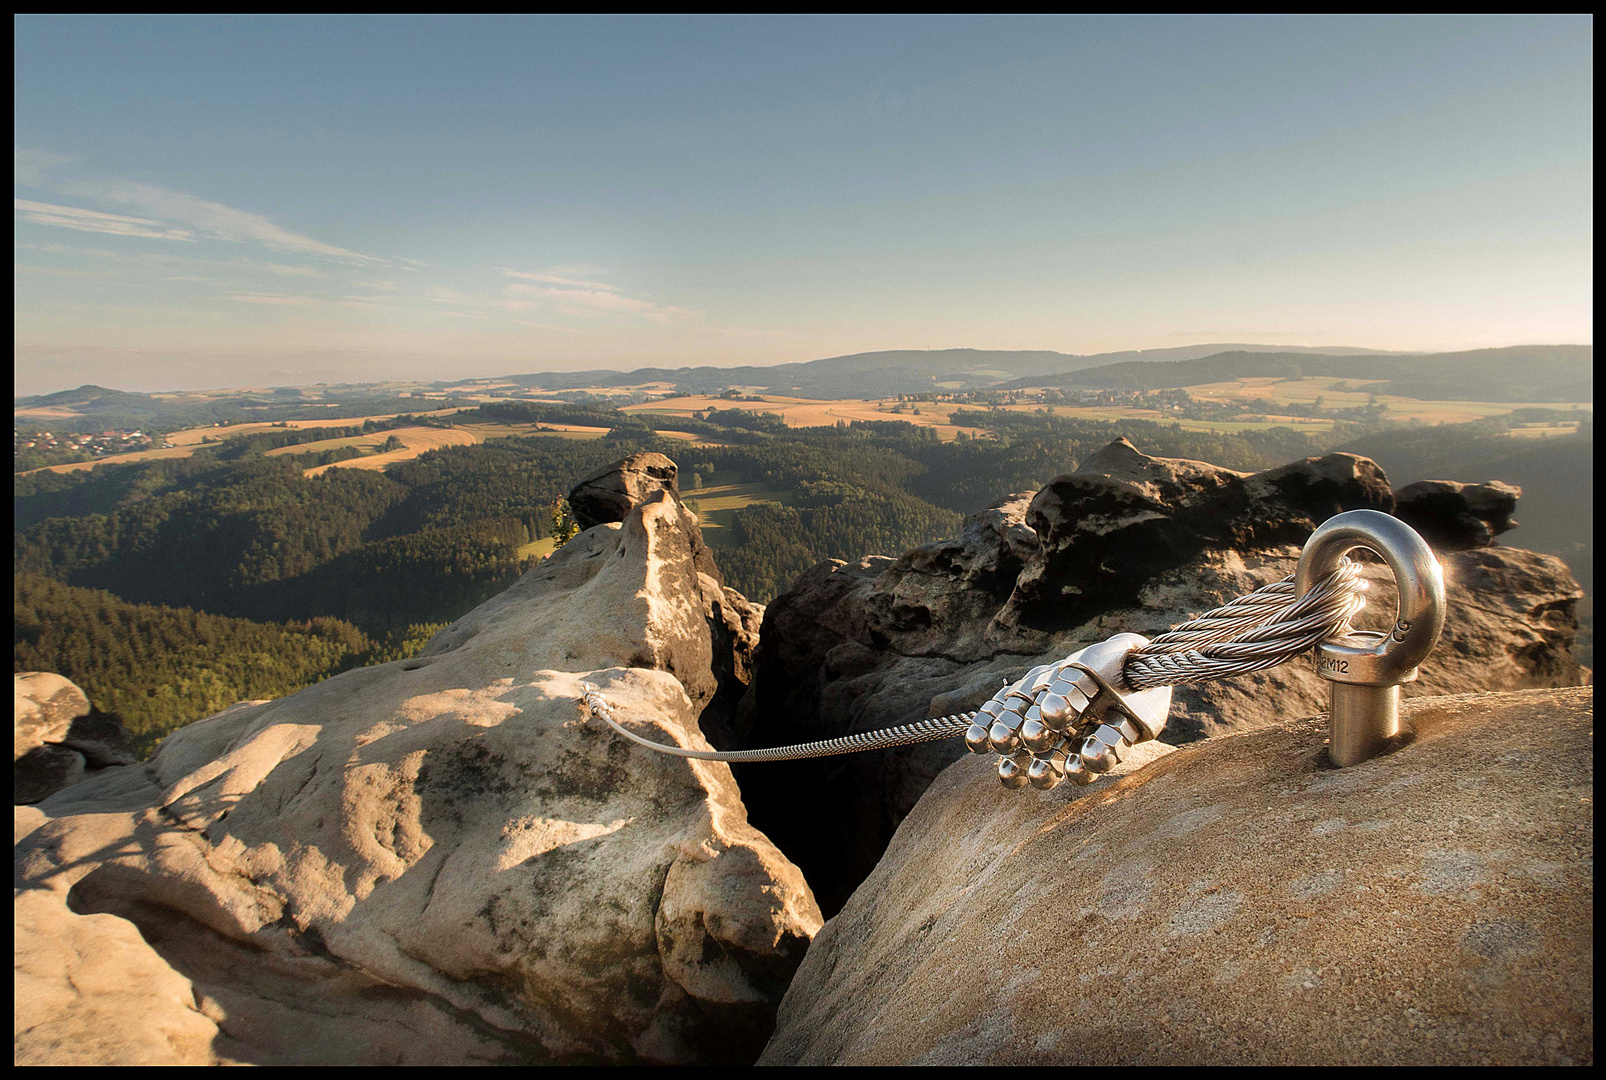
x: 1234, y: 902
x: 1457, y: 516
x: 435, y: 861
x: 58, y: 738
x: 1126, y: 543
x: 610, y: 493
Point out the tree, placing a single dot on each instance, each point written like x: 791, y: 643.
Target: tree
x: 563, y: 527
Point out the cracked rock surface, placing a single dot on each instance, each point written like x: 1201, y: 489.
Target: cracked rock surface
x: 1234, y: 902
x: 436, y: 861
x: 1127, y: 542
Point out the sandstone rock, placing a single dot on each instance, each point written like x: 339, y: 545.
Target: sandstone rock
x: 1453, y: 517
x: 44, y: 707
x: 102, y: 740
x: 58, y: 737
x: 1234, y: 902
x: 43, y: 771
x: 1104, y: 529
x: 611, y: 492
x: 858, y: 646
x: 89, y: 991
x: 441, y: 846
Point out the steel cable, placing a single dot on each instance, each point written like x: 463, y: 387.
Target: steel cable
x: 1262, y: 629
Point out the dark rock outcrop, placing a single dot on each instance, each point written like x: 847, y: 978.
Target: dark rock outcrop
x: 58, y: 737
x: 1234, y: 902
x: 610, y: 493
x: 1455, y: 517
x: 1126, y: 543
x: 1104, y: 529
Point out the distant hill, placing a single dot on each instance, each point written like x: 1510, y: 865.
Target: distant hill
x: 99, y: 408
x: 877, y: 374
x: 1532, y: 373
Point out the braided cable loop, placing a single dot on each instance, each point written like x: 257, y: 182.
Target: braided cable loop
x: 1263, y: 629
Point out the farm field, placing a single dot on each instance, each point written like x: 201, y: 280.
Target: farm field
x: 117, y: 459
x: 187, y: 441
x: 1122, y: 412
x: 1338, y: 394
x: 538, y: 549
x: 193, y: 436
x: 415, y: 441
x: 1542, y: 431
x: 808, y: 412
x: 484, y: 431
x: 716, y: 506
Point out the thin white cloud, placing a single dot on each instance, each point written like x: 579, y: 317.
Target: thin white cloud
x: 274, y: 300
x: 579, y: 295
x: 72, y: 217
x: 290, y: 271
x: 215, y: 219
x: 554, y: 279
x: 595, y: 300
x: 29, y: 166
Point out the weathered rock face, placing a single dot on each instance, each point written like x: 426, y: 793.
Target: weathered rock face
x: 58, y: 739
x: 610, y: 493
x: 1234, y: 902
x: 1456, y: 516
x: 44, y: 707
x: 858, y: 646
x: 1104, y: 529
x: 436, y: 861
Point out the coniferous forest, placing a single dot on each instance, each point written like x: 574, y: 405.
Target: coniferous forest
x: 170, y: 588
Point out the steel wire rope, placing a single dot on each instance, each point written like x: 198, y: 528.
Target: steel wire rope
x: 1258, y: 630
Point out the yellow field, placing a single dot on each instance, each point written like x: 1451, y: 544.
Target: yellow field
x: 193, y: 436
x: 716, y: 506
x: 46, y: 412
x: 1123, y: 412
x: 415, y: 440
x: 1336, y: 393
x: 117, y: 459
x: 187, y: 441
x: 491, y: 430
x: 807, y: 412
x: 1542, y: 431
x: 538, y: 549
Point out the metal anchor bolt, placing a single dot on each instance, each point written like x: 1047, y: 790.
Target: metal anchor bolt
x: 1366, y: 667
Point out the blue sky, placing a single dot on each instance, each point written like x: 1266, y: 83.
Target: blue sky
x: 251, y: 201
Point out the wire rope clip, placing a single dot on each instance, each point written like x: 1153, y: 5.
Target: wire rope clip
x: 1365, y: 668
x: 1070, y: 720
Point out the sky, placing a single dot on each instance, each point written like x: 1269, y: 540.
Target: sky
x: 213, y: 202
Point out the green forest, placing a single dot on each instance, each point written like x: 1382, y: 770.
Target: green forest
x: 170, y: 588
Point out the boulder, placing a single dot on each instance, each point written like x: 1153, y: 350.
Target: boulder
x: 437, y: 861
x: 88, y: 990
x: 1454, y: 517
x: 610, y: 493
x: 44, y: 705
x: 59, y: 737
x: 43, y: 771
x: 1152, y: 542
x: 1237, y: 901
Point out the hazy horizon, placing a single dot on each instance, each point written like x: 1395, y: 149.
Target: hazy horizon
x: 205, y: 203
x: 1224, y: 346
